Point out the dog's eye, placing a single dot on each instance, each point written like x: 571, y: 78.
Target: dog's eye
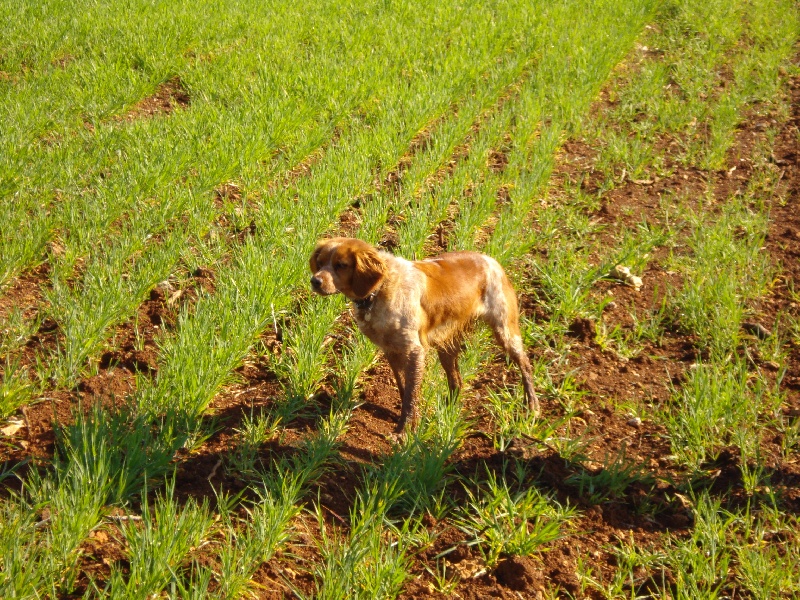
x: 340, y: 265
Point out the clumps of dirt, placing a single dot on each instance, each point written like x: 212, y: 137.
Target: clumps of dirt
x: 519, y: 573
x: 24, y: 293
x: 439, y: 240
x: 109, y: 386
x: 131, y: 359
x: 498, y: 160
x: 62, y: 61
x: 102, y: 548
x: 167, y: 98
x: 162, y: 307
x: 371, y: 426
x: 583, y: 329
x: 349, y: 222
x: 228, y: 191
x: 204, y: 278
x: 158, y: 309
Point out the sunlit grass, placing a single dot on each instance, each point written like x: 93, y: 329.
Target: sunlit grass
x: 488, y: 92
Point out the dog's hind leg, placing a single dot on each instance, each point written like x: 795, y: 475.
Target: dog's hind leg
x: 511, y: 343
x: 504, y: 322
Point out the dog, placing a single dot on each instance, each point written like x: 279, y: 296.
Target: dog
x: 407, y: 307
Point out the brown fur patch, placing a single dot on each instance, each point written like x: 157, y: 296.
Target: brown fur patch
x: 452, y: 293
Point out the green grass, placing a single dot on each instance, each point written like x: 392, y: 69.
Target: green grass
x: 725, y: 271
x: 374, y: 560
x: 159, y: 545
x: 16, y: 389
x: 506, y: 522
x: 725, y: 545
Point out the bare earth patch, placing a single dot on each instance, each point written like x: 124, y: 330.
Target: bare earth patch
x: 168, y: 97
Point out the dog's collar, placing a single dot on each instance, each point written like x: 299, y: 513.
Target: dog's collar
x: 366, y: 303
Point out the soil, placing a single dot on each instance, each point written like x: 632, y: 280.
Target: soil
x: 614, y: 388
x: 168, y: 97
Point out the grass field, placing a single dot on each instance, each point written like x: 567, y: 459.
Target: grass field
x: 180, y: 417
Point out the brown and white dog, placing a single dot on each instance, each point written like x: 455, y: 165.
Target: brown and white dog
x: 406, y: 307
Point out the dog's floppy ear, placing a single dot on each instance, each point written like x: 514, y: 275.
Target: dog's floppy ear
x: 312, y: 262
x: 367, y: 272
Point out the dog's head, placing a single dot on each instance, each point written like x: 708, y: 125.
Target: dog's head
x: 346, y: 265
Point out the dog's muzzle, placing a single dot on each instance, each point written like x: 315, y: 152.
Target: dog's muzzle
x: 323, y: 286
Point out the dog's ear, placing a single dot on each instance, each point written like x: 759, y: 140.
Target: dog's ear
x: 312, y: 262
x: 367, y: 272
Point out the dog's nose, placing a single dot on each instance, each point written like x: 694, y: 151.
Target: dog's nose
x: 316, y: 282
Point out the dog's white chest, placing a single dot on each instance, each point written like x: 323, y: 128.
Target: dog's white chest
x: 363, y: 318
x: 374, y: 323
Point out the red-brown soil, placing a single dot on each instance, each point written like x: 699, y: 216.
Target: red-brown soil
x: 168, y: 97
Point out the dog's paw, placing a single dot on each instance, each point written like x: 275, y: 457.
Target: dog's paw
x: 397, y: 437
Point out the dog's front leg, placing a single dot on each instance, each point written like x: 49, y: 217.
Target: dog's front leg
x: 415, y: 365
x: 397, y: 362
